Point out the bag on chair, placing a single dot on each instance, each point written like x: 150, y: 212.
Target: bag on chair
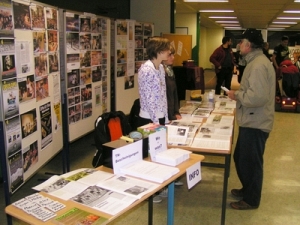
x: 109, y: 126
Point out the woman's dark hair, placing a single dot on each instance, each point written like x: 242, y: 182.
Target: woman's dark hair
x: 156, y: 45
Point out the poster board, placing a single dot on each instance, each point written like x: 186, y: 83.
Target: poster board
x: 30, y: 91
x: 86, y: 70
x: 183, y: 47
x: 130, y: 53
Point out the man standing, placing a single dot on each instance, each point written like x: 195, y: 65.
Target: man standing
x: 280, y: 52
x: 255, y: 115
x: 223, y: 60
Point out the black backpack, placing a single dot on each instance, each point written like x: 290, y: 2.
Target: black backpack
x: 102, y: 133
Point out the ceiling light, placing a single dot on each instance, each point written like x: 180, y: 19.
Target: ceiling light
x: 288, y: 18
x: 285, y: 22
x: 235, y: 28
x: 214, y: 10
x: 274, y: 25
x: 205, y: 0
x: 228, y: 24
x: 226, y: 21
x: 297, y: 1
x: 222, y: 17
x: 292, y: 11
x: 275, y: 28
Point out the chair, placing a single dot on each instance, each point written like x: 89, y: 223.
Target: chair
x: 109, y: 126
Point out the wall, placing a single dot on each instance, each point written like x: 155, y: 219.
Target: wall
x: 189, y: 21
x: 213, y: 39
x: 155, y: 11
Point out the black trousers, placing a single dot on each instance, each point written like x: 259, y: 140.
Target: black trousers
x: 225, y: 75
x: 248, y: 158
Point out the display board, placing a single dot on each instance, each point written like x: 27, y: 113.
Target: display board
x: 183, y: 46
x: 30, y: 88
x: 86, y: 38
x: 130, y: 53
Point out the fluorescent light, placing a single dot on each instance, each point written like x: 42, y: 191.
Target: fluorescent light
x: 229, y: 24
x: 275, y: 28
x: 218, y: 10
x: 285, y: 22
x: 288, y: 18
x: 205, y: 0
x: 292, y: 11
x: 234, y: 28
x: 297, y: 1
x: 278, y: 25
x: 222, y: 17
x: 226, y: 21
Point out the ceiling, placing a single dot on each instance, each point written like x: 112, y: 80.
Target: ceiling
x: 250, y: 13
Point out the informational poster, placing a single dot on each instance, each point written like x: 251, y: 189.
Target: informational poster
x: 6, y: 23
x: 10, y: 95
x: 13, y: 135
x: 16, y: 171
x: 46, y: 124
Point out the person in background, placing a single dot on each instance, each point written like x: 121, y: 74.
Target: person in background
x: 152, y: 83
x: 172, y: 96
x: 255, y: 116
x: 288, y: 81
x: 241, y: 62
x: 280, y: 52
x: 223, y: 60
x: 265, y: 49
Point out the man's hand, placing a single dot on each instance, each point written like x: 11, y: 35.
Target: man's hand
x: 231, y: 95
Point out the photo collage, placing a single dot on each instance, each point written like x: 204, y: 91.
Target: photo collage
x: 86, y: 47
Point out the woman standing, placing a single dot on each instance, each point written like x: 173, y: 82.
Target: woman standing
x: 152, y: 84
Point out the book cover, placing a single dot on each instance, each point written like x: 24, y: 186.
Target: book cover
x: 79, y: 217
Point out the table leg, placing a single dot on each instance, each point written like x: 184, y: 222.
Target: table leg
x: 225, y: 184
x: 150, y: 210
x: 171, y: 204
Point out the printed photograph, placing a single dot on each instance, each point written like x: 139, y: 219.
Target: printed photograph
x: 26, y: 88
x: 42, y: 88
x: 72, y: 42
x: 85, y: 76
x: 28, y: 123
x: 73, y: 78
x: 8, y: 67
x: 52, y: 40
x: 40, y: 65
x: 85, y: 41
x: 37, y: 16
x: 53, y: 62
x: 72, y: 22
x: 21, y: 14
x: 39, y: 41
x: 30, y: 156
x: 96, y: 73
x: 51, y: 18
x: 85, y: 24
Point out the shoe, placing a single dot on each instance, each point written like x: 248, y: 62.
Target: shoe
x: 164, y: 193
x: 178, y: 183
x: 241, y: 205
x: 237, y: 193
x: 157, y: 199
